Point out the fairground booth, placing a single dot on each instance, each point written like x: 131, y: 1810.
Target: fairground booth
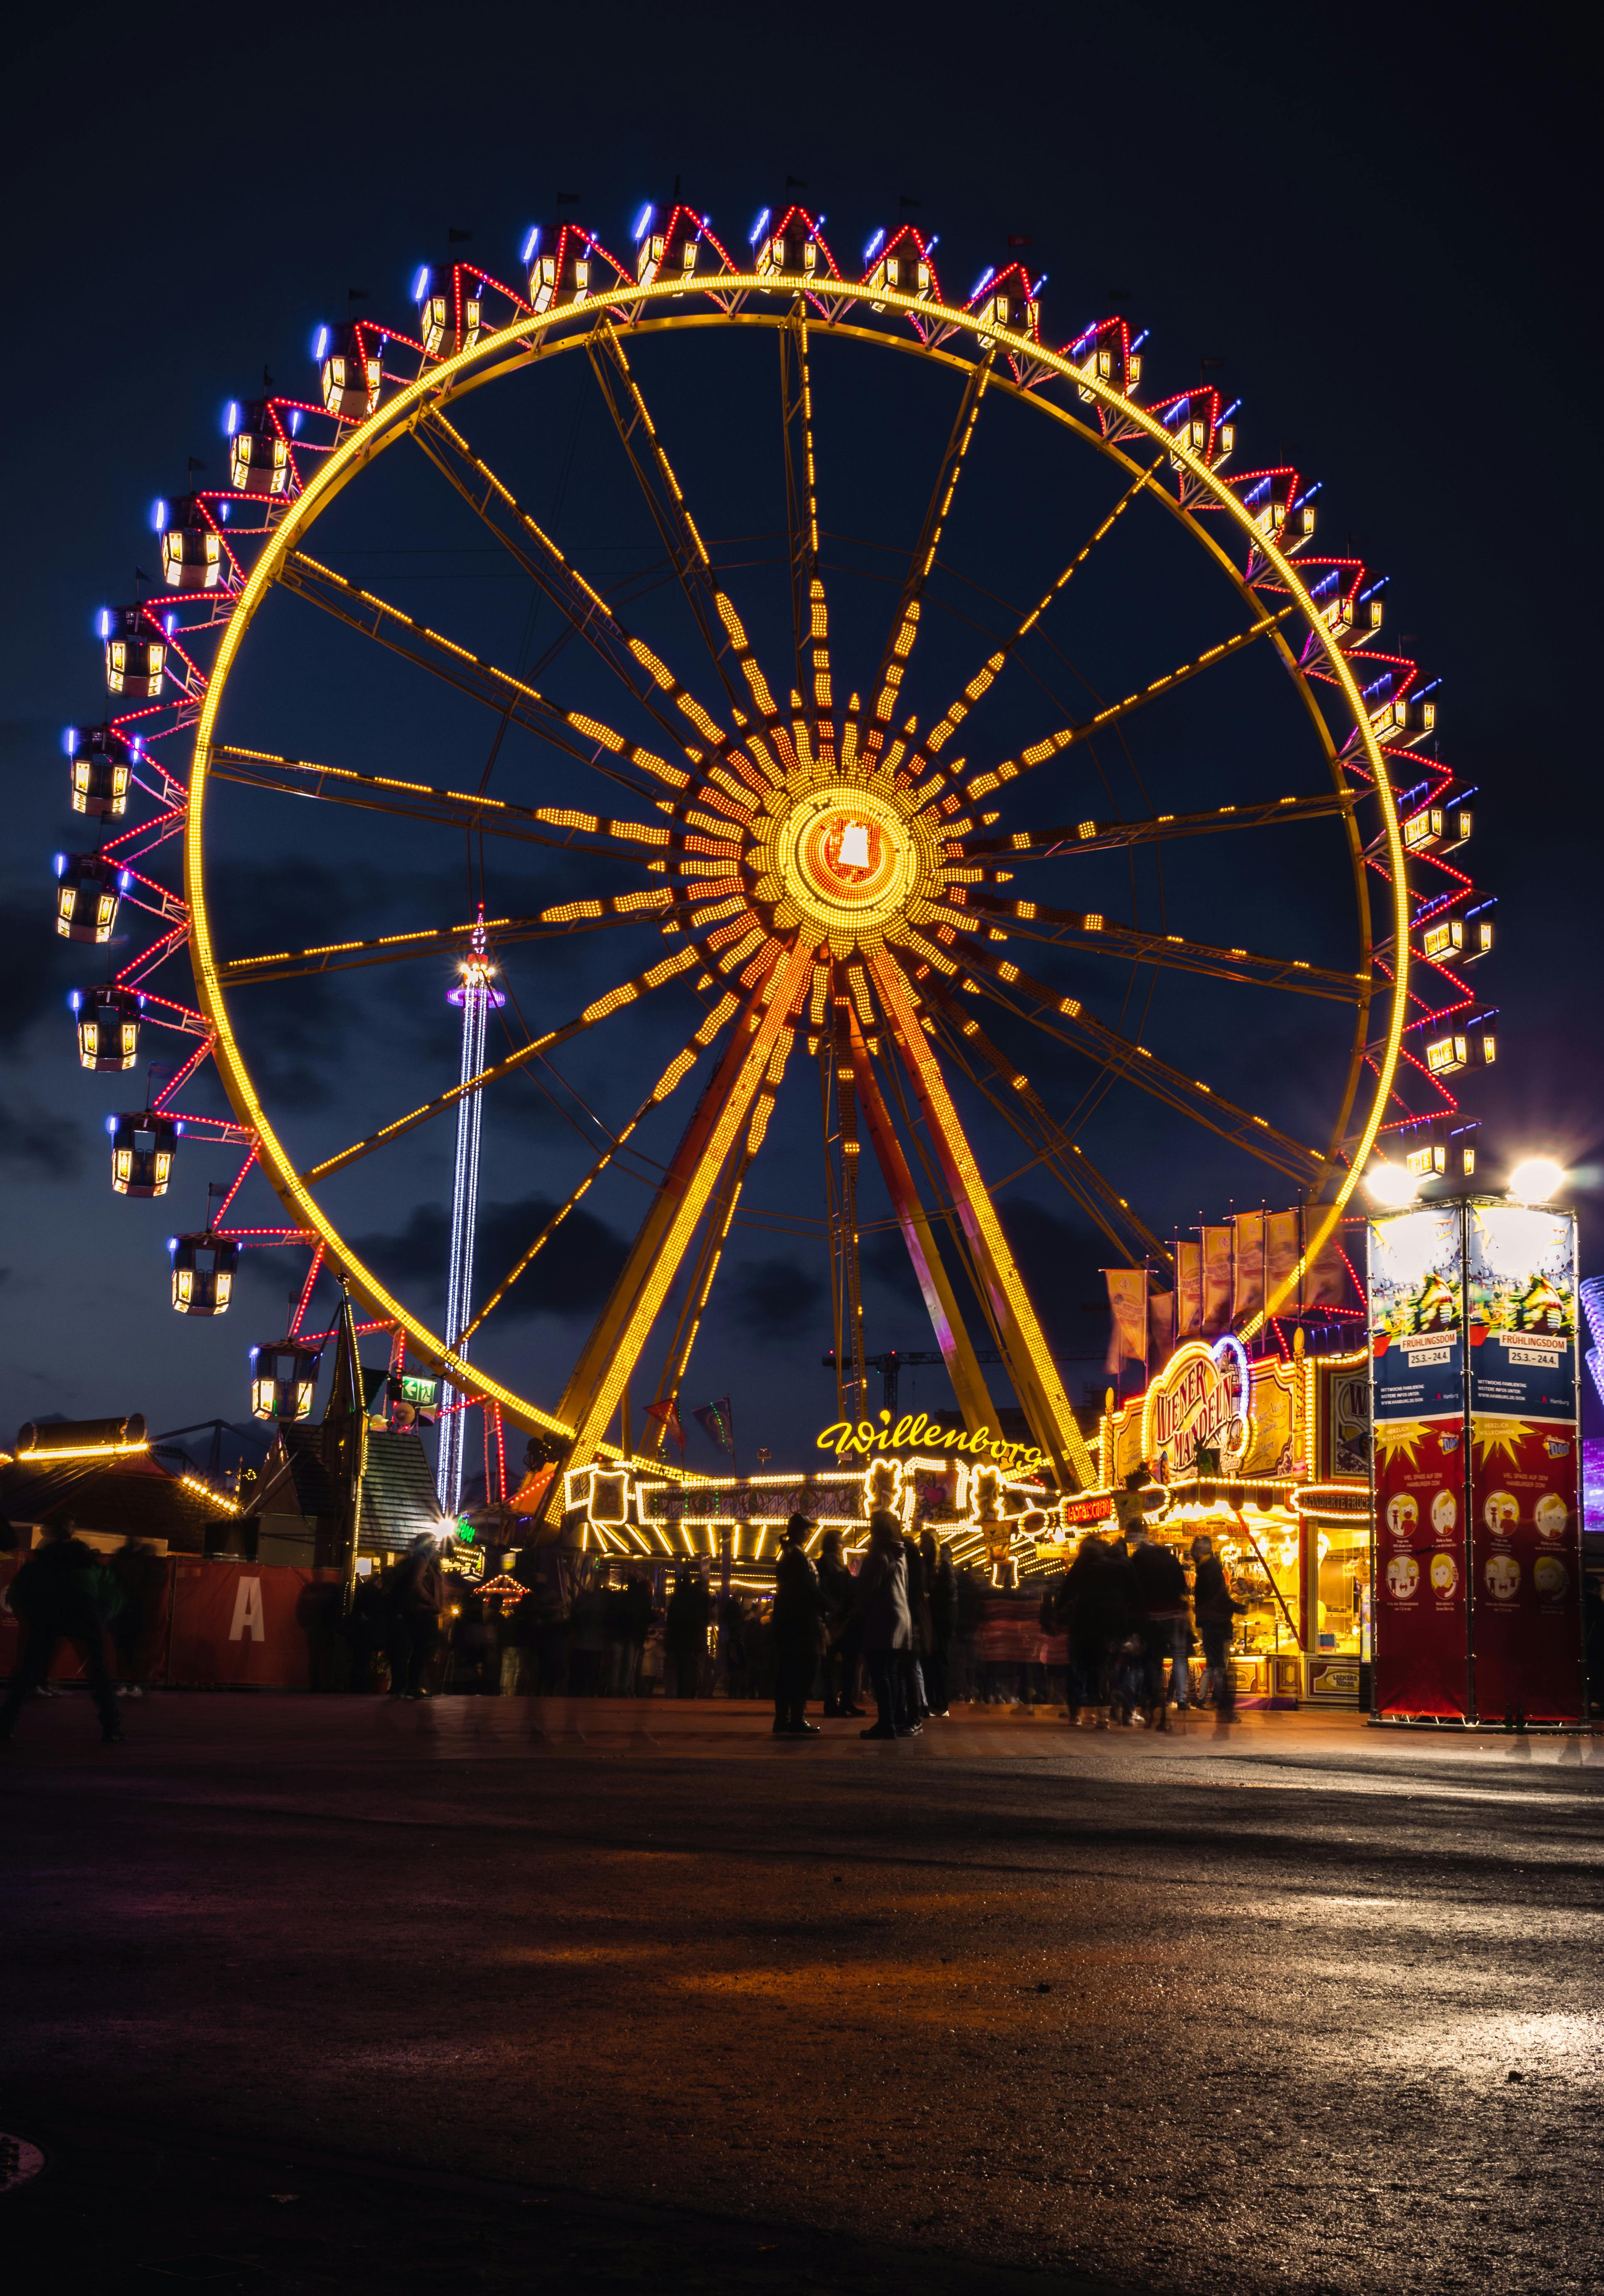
x: 1268, y: 1457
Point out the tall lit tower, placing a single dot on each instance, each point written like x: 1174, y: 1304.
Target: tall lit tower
x: 476, y: 993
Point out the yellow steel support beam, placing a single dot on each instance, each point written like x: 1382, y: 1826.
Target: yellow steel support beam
x: 1030, y: 1366
x: 952, y: 1337
x: 591, y: 1395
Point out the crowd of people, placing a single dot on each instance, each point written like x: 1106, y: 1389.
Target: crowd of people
x: 1111, y: 1642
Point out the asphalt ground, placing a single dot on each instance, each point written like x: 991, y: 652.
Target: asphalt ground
x: 486, y: 1994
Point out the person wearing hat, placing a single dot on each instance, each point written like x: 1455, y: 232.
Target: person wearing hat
x: 798, y: 1631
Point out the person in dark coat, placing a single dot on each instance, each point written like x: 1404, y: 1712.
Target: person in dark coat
x: 915, y: 1697
x: 50, y: 1596
x: 888, y: 1628
x: 141, y: 1577
x: 843, y: 1627
x: 1215, y: 1606
x: 941, y: 1595
x: 686, y: 1630
x: 417, y: 1600
x: 1163, y: 1623
x: 1098, y: 1618
x: 798, y: 1631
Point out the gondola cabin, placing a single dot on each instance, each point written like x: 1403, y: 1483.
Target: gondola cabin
x: 449, y: 322
x: 141, y: 1151
x: 351, y: 374
x: 789, y: 253
x: 562, y: 275
x: 135, y: 653
x: 258, y: 454
x: 1404, y: 724
x: 903, y: 271
x: 203, y: 1273
x: 88, y: 890
x: 284, y: 1380
x: 100, y: 768
x: 191, y: 548
x: 108, y: 1026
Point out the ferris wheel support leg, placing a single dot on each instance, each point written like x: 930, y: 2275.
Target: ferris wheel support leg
x: 1030, y: 1365
x: 946, y: 1321
x: 598, y: 1378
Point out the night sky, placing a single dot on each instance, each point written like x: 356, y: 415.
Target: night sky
x: 1374, y: 226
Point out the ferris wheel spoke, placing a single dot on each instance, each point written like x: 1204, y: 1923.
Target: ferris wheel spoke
x: 667, y: 1083
x: 1022, y: 1108
x: 1067, y: 737
x: 941, y: 1302
x: 1068, y: 1020
x: 490, y: 816
x: 665, y: 499
x: 986, y: 676
x: 586, y: 610
x: 429, y: 941
x: 1115, y: 836
x: 810, y: 624
x: 581, y: 737
x: 604, y: 1369
x: 601, y: 1008
x: 1029, y: 1361
x: 905, y: 627
x: 1089, y: 930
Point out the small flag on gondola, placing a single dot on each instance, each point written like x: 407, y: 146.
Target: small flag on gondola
x: 718, y: 1423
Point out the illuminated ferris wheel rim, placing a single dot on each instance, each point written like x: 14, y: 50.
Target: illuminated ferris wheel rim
x: 524, y: 343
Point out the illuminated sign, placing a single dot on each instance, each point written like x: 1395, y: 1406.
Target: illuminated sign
x: 1200, y: 1402
x: 914, y: 1431
x: 425, y: 1391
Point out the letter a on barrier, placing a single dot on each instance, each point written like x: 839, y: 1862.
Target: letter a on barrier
x: 249, y: 1617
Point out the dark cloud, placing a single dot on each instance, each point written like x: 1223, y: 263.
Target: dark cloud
x: 33, y: 968
x: 36, y: 1145
x: 884, y: 1257
x: 779, y: 1299
x: 572, y: 1275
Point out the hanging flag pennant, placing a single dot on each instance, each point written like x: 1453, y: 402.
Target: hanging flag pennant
x: 718, y: 1423
x: 1128, y: 1306
x: 1217, y: 1279
x: 1281, y: 1247
x: 1247, y: 1293
x: 1161, y: 1325
x: 667, y: 1412
x: 1189, y: 1290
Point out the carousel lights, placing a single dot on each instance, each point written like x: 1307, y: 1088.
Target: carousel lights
x: 204, y: 1491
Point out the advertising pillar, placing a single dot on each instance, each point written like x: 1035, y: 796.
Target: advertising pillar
x: 1526, y: 1529
x: 1421, y: 1662
x: 1478, y: 1527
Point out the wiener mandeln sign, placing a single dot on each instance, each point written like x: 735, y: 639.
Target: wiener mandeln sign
x: 1199, y: 1401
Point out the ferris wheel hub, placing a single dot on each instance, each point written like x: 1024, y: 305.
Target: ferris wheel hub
x: 848, y: 858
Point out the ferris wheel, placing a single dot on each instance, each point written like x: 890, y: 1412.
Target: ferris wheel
x: 825, y: 864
